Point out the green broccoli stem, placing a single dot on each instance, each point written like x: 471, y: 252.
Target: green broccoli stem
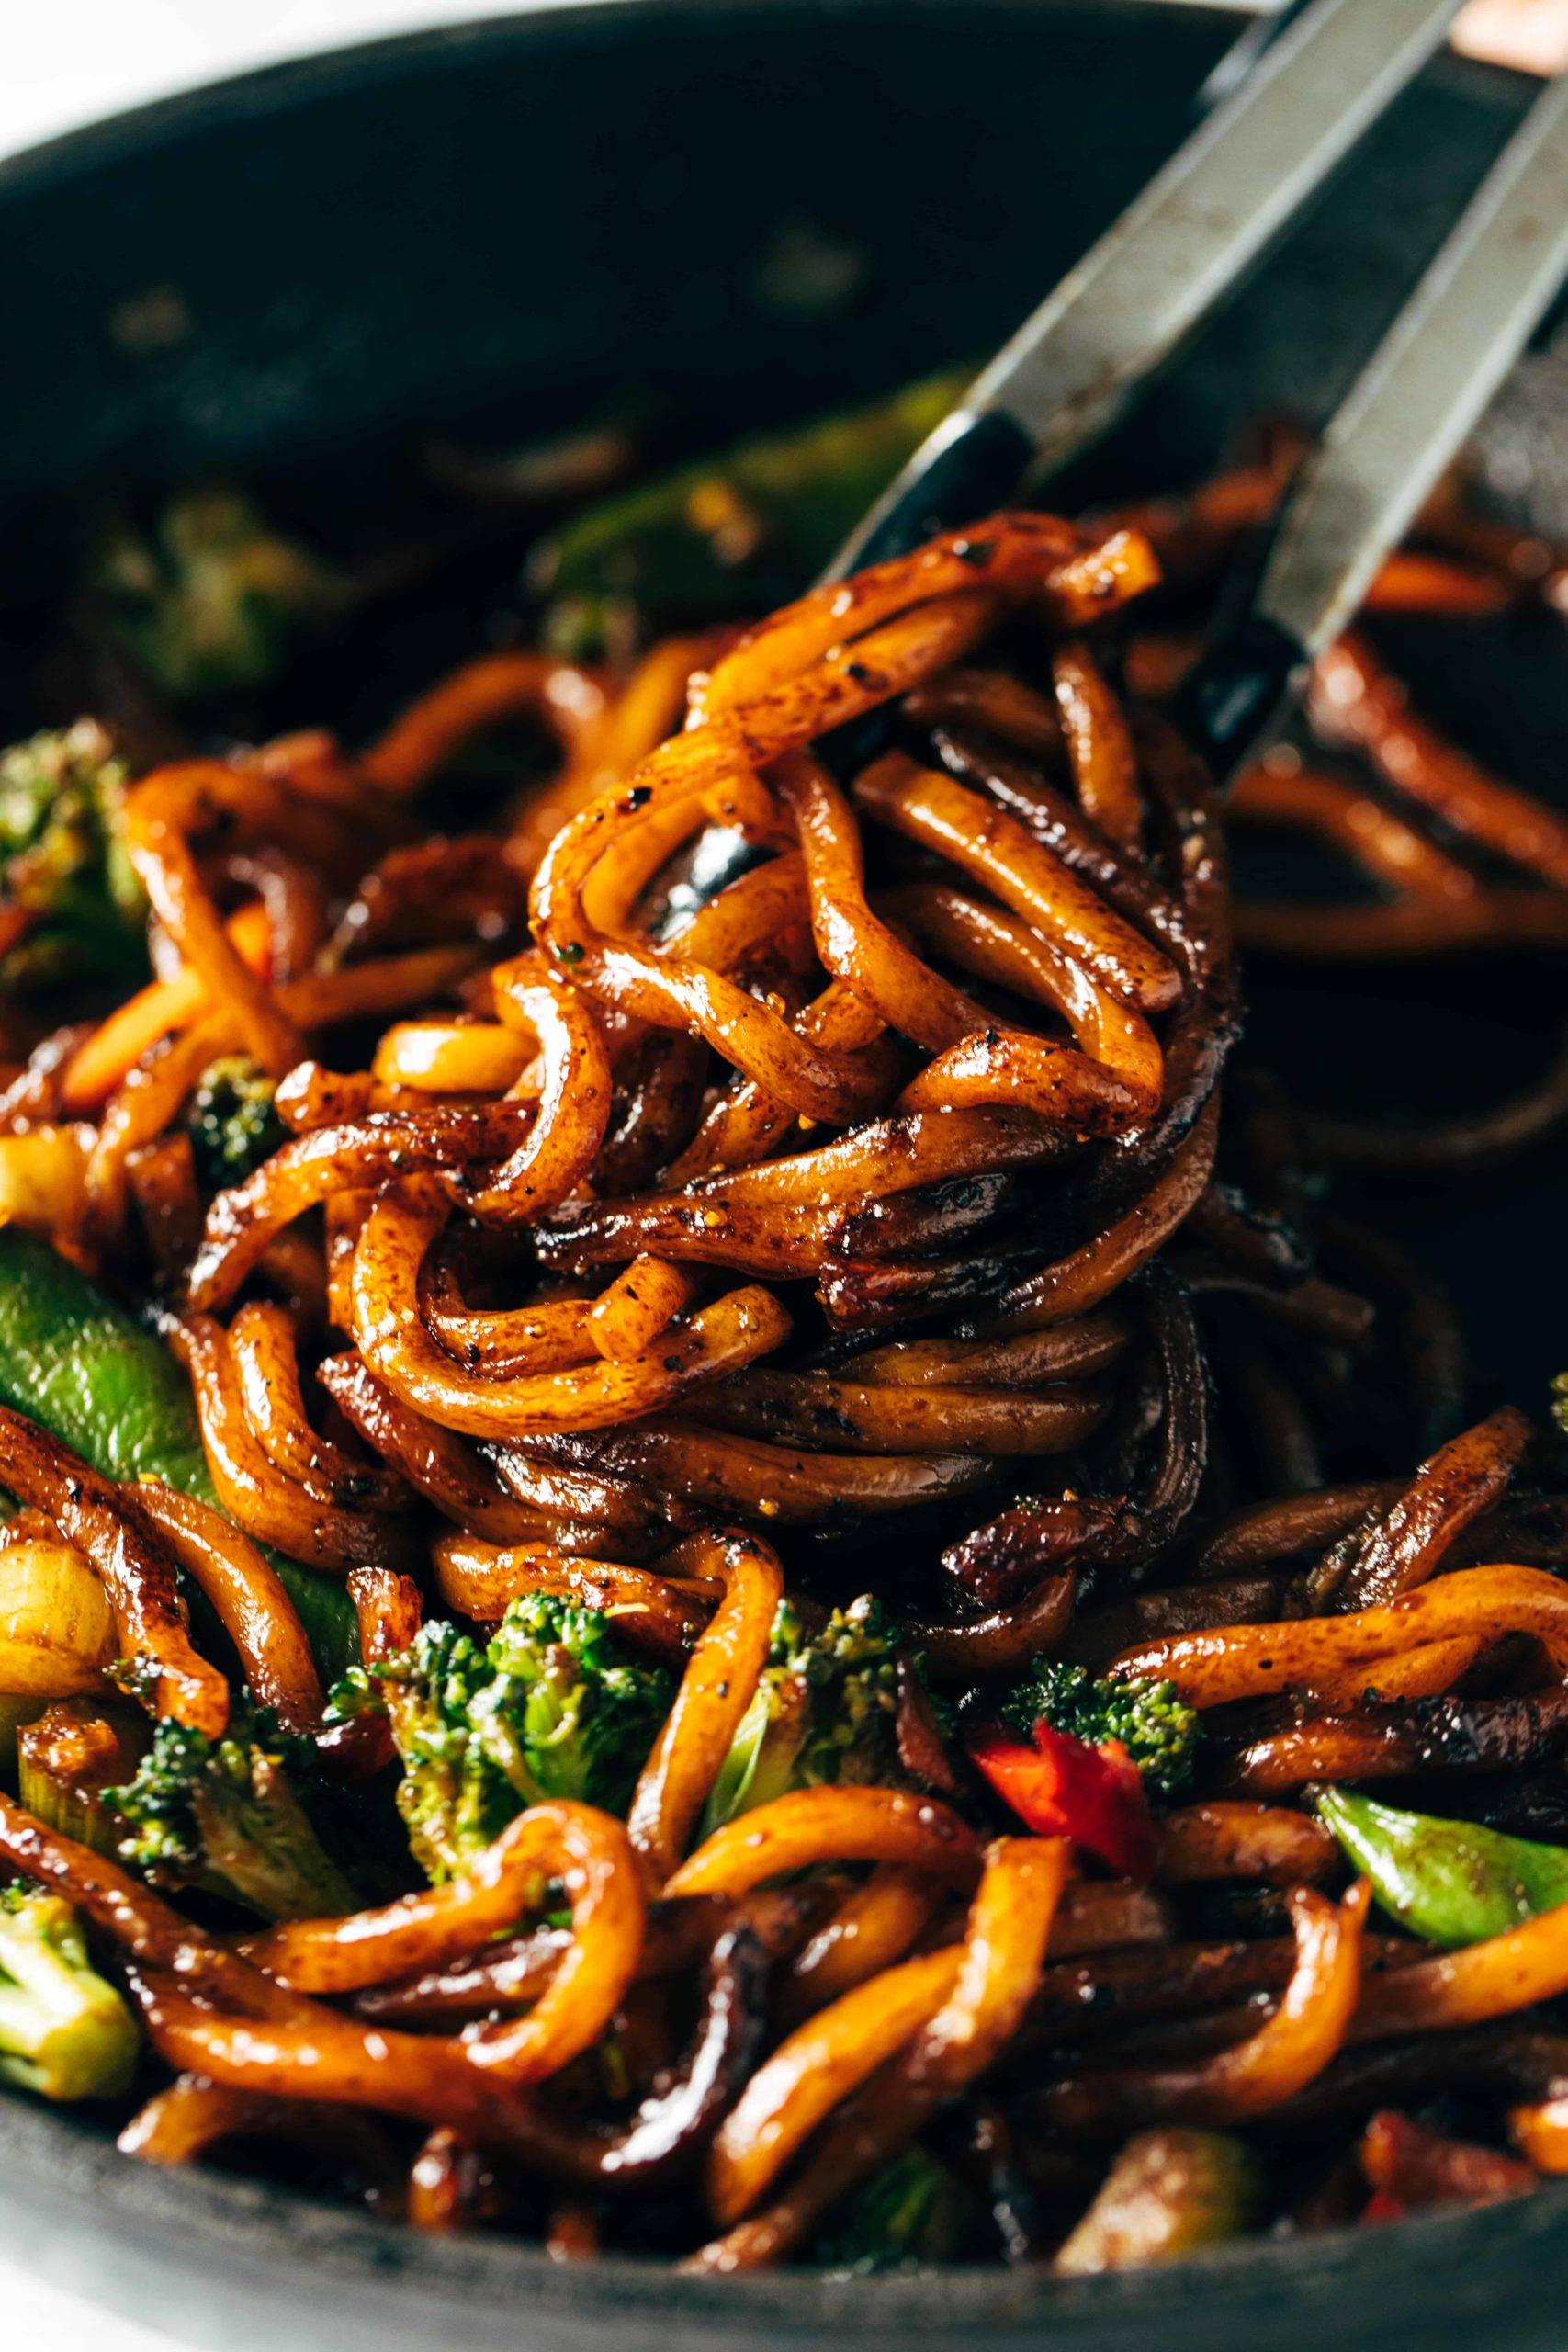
x: 224, y: 1815
x: 1168, y: 2193
x: 825, y: 1709
x: 761, y: 1760
x: 263, y: 1851
x: 78, y: 1364
x: 66, y: 1760
x: 64, y: 2032
x: 78, y: 1814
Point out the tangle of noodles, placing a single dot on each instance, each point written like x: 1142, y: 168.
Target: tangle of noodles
x: 784, y: 1185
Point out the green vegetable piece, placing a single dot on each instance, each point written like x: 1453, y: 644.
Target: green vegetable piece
x: 70, y: 1756
x: 911, y: 2214
x: 1450, y: 1882
x: 1157, y: 1728
x: 223, y: 1815
x: 1559, y: 1401
x: 825, y: 1709
x: 728, y: 535
x: 63, y: 858
x: 77, y: 1364
x: 232, y: 1121
x: 78, y: 1814
x: 212, y: 598
x: 1169, y: 2193
x: 64, y: 2032
x: 549, y: 1707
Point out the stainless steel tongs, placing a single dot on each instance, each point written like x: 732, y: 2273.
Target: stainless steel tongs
x: 1203, y: 220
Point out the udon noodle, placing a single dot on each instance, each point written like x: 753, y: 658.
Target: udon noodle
x: 793, y: 1154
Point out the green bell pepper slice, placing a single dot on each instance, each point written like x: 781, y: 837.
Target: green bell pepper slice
x: 78, y: 1364
x: 728, y: 537
x: 1452, y: 1883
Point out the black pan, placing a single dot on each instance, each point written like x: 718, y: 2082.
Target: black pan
x: 496, y: 231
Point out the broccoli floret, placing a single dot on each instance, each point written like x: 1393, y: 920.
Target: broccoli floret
x: 914, y: 2211
x: 212, y: 599
x: 548, y: 1707
x: 1160, y: 1731
x: 451, y: 1802
x: 63, y: 860
x: 232, y: 1121
x: 825, y: 1709
x: 568, y: 1714
x: 223, y: 1815
x: 1559, y: 1401
x: 64, y: 2032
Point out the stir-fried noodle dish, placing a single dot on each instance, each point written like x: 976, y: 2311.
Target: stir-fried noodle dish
x: 725, y: 1537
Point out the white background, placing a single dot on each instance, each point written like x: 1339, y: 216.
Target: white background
x: 63, y: 61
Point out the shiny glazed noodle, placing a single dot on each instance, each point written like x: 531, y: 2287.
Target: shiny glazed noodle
x: 699, y: 1259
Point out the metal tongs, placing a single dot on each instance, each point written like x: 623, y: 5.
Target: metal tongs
x: 1204, y: 219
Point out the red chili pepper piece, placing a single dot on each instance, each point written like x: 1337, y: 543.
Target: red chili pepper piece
x: 1062, y: 1787
x: 1408, y: 2167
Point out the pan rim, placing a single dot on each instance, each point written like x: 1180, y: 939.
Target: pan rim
x: 216, y: 2214
x: 235, y: 98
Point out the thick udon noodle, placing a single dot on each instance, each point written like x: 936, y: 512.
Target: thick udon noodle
x: 882, y: 1204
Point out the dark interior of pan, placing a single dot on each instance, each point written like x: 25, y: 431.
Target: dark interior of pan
x: 728, y: 212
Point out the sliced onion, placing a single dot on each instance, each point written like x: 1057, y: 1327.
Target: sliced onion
x: 42, y: 1179
x: 56, y: 1628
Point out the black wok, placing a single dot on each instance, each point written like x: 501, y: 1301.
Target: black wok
x: 498, y: 230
